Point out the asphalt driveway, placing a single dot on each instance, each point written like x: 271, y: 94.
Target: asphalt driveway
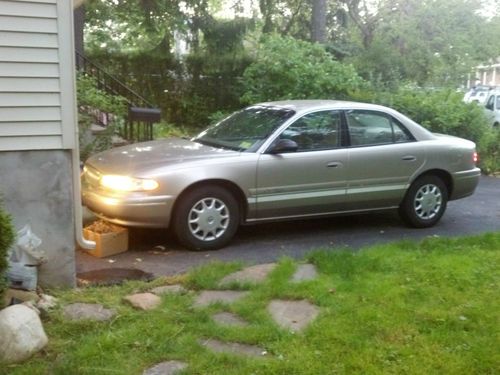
x: 152, y: 251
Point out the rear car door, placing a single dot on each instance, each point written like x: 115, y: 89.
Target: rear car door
x: 492, y: 109
x: 311, y: 180
x: 383, y: 156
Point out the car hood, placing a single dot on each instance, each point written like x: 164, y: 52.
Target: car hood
x: 140, y: 158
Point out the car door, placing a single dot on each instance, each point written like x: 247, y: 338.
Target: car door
x: 492, y: 109
x: 309, y: 181
x: 383, y: 156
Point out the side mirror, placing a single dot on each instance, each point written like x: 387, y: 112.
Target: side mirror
x: 284, y: 145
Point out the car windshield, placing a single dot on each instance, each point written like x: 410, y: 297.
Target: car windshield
x: 245, y: 130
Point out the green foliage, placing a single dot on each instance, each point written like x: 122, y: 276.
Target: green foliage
x: 489, y: 151
x: 189, y: 87
x: 136, y: 25
x: 89, y: 95
x: 91, y: 102
x: 218, y: 116
x: 165, y: 130
x: 430, y: 43
x: 286, y: 68
x: 6, y: 240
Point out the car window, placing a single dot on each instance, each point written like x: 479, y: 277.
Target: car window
x: 498, y: 102
x: 315, y: 131
x: 490, y: 103
x: 374, y: 128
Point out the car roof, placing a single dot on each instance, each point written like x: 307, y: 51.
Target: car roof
x: 318, y: 104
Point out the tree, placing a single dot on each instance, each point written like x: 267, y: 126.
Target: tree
x: 318, y: 21
x: 287, y: 68
x: 425, y: 42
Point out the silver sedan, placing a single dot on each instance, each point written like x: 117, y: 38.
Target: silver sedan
x: 281, y: 160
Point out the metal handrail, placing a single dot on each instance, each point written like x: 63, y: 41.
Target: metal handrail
x: 109, y: 83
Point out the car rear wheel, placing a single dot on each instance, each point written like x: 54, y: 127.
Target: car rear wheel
x: 206, y: 218
x: 425, y: 202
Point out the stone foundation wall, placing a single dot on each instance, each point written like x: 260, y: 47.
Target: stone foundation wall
x: 37, y: 188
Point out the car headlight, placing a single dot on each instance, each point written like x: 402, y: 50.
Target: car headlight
x: 125, y: 183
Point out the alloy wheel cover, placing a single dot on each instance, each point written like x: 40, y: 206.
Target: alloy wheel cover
x: 428, y: 201
x: 208, y: 219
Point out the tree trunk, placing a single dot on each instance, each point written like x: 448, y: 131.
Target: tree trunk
x: 318, y: 21
x: 266, y: 8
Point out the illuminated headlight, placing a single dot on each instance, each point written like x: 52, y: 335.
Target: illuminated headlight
x: 124, y: 183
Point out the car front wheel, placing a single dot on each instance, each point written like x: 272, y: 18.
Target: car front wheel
x: 206, y: 218
x: 425, y: 202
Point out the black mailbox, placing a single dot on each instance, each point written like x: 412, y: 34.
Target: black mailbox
x: 144, y: 114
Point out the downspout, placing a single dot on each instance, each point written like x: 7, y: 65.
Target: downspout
x: 75, y: 153
x: 77, y: 199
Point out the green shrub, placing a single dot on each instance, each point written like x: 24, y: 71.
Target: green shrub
x: 6, y: 241
x: 489, y: 151
x: 89, y: 95
x: 287, y: 68
x: 91, y: 98
x: 166, y: 130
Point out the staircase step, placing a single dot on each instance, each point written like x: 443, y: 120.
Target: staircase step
x: 97, y: 129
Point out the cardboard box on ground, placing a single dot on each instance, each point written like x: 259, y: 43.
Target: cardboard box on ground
x: 110, y: 239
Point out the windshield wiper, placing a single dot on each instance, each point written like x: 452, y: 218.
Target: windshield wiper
x: 217, y: 145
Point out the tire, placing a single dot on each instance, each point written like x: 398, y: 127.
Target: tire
x: 425, y: 202
x: 206, y: 218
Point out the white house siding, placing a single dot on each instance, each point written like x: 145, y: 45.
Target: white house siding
x: 36, y: 78
x: 38, y: 127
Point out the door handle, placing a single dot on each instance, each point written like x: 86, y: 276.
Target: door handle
x: 334, y: 164
x: 409, y: 158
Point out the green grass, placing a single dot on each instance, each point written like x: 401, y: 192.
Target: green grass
x: 415, y: 308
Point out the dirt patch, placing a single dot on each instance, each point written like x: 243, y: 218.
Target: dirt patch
x: 112, y: 276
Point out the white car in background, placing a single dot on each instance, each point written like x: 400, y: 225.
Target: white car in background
x: 492, y: 108
x: 478, y: 94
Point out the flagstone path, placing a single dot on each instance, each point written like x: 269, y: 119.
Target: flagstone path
x: 292, y: 315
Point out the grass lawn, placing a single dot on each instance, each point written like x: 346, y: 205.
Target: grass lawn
x: 418, y: 308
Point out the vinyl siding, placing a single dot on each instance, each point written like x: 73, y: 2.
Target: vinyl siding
x: 37, y: 93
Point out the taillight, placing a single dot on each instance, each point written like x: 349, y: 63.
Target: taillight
x: 475, y: 157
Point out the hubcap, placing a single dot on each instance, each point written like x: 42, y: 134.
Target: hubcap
x: 428, y: 201
x: 208, y: 219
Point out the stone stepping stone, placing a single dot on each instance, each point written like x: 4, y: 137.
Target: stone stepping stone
x: 229, y: 319
x: 143, y: 301
x: 253, y: 274
x: 87, y: 311
x: 208, y: 297
x: 292, y: 315
x: 304, y: 272
x: 166, y: 368
x: 233, y: 348
x: 168, y: 289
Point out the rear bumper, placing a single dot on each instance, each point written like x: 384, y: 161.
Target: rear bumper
x: 465, y: 183
x: 136, y: 211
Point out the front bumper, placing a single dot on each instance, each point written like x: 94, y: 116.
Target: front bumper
x: 136, y: 210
